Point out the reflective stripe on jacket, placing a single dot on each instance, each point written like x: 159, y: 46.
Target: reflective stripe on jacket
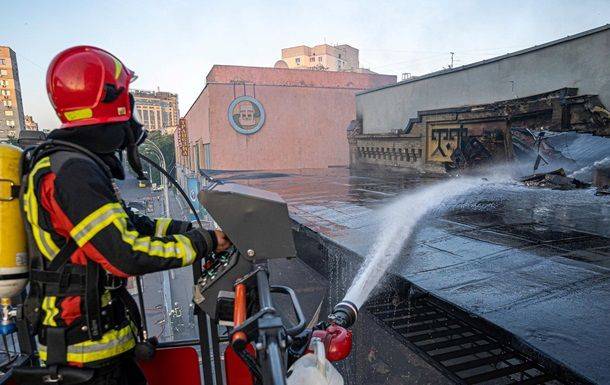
x: 67, y: 195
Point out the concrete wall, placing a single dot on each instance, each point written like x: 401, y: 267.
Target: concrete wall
x: 582, y: 62
x: 307, y: 114
x: 304, y: 128
x: 198, y: 119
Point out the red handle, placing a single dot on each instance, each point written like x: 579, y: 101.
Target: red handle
x: 337, y: 342
x: 239, y: 314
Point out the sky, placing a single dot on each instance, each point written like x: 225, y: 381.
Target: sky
x: 173, y: 44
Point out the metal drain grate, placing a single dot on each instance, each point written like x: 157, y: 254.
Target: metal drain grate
x: 460, y: 350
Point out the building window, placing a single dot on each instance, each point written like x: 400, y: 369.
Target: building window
x: 10, y: 123
x: 5, y: 92
x: 320, y: 58
x: 339, y: 56
x: 1, y: 62
x: 4, y: 83
x: 207, y: 157
x: 8, y: 103
x: 8, y: 112
x: 298, y: 61
x: 3, y: 72
x: 197, y: 161
x: 312, y: 59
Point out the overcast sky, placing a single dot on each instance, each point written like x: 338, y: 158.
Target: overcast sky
x: 173, y: 44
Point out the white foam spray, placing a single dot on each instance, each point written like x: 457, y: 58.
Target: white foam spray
x: 586, y: 173
x: 399, y: 219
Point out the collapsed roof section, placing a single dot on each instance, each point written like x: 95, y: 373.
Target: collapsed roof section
x: 442, y: 140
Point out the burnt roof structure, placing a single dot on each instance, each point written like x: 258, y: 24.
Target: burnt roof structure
x: 429, y: 141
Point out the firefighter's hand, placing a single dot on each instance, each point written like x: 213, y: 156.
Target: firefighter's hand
x: 222, y: 241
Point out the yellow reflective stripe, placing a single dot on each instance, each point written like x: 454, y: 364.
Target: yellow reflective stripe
x: 50, y: 310
x: 83, y: 113
x: 30, y: 195
x: 44, y: 242
x: 181, y: 248
x: 43, y: 239
x: 112, y: 343
x: 106, y: 297
x: 96, y: 221
x: 189, y: 250
x: 117, y: 68
x: 161, y: 226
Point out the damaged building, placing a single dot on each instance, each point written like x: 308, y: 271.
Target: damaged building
x: 490, y: 111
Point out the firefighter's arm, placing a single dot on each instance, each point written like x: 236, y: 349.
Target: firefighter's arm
x: 158, y: 227
x: 104, y: 231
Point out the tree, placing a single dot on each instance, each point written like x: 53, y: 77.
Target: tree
x: 166, y: 145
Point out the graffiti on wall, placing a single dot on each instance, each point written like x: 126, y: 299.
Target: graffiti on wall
x: 246, y: 115
x: 441, y: 141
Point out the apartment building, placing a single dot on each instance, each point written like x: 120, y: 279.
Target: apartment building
x: 30, y: 123
x: 157, y: 110
x: 322, y: 57
x: 11, y: 108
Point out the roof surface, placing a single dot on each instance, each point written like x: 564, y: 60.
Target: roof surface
x: 535, y: 262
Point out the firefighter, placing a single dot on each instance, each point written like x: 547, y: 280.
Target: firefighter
x: 83, y: 241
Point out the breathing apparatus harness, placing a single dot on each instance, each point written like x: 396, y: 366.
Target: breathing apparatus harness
x: 62, y: 278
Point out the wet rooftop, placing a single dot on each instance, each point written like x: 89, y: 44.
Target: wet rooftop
x: 534, y: 262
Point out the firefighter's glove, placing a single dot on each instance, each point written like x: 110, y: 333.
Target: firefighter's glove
x: 221, y: 241
x: 215, y: 240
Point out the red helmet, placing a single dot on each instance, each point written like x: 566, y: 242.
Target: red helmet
x: 87, y: 85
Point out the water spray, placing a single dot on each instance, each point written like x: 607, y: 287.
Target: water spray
x: 401, y: 218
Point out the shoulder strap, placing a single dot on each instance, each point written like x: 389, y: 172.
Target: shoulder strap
x: 63, y: 255
x: 32, y: 155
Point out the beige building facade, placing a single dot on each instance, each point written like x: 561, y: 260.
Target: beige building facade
x: 157, y: 110
x: 30, y: 123
x: 323, y: 57
x: 11, y: 108
x: 257, y: 118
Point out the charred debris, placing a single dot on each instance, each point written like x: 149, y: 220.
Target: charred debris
x: 455, y: 140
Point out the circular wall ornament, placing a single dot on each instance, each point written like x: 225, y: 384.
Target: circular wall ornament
x: 246, y: 115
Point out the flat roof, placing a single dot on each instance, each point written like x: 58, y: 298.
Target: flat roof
x: 542, y: 277
x: 492, y: 60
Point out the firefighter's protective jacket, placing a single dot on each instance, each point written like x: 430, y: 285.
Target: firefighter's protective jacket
x: 69, y: 200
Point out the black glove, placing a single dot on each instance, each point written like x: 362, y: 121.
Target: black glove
x: 210, y: 240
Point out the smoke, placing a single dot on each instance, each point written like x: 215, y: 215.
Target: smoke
x: 585, y: 174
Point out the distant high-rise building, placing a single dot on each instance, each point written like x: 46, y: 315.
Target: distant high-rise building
x: 324, y: 57
x: 157, y: 110
x: 30, y: 124
x: 11, y: 109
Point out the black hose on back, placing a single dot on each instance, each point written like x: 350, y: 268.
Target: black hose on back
x: 175, y: 183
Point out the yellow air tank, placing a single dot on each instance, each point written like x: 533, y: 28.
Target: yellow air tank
x: 13, y: 252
